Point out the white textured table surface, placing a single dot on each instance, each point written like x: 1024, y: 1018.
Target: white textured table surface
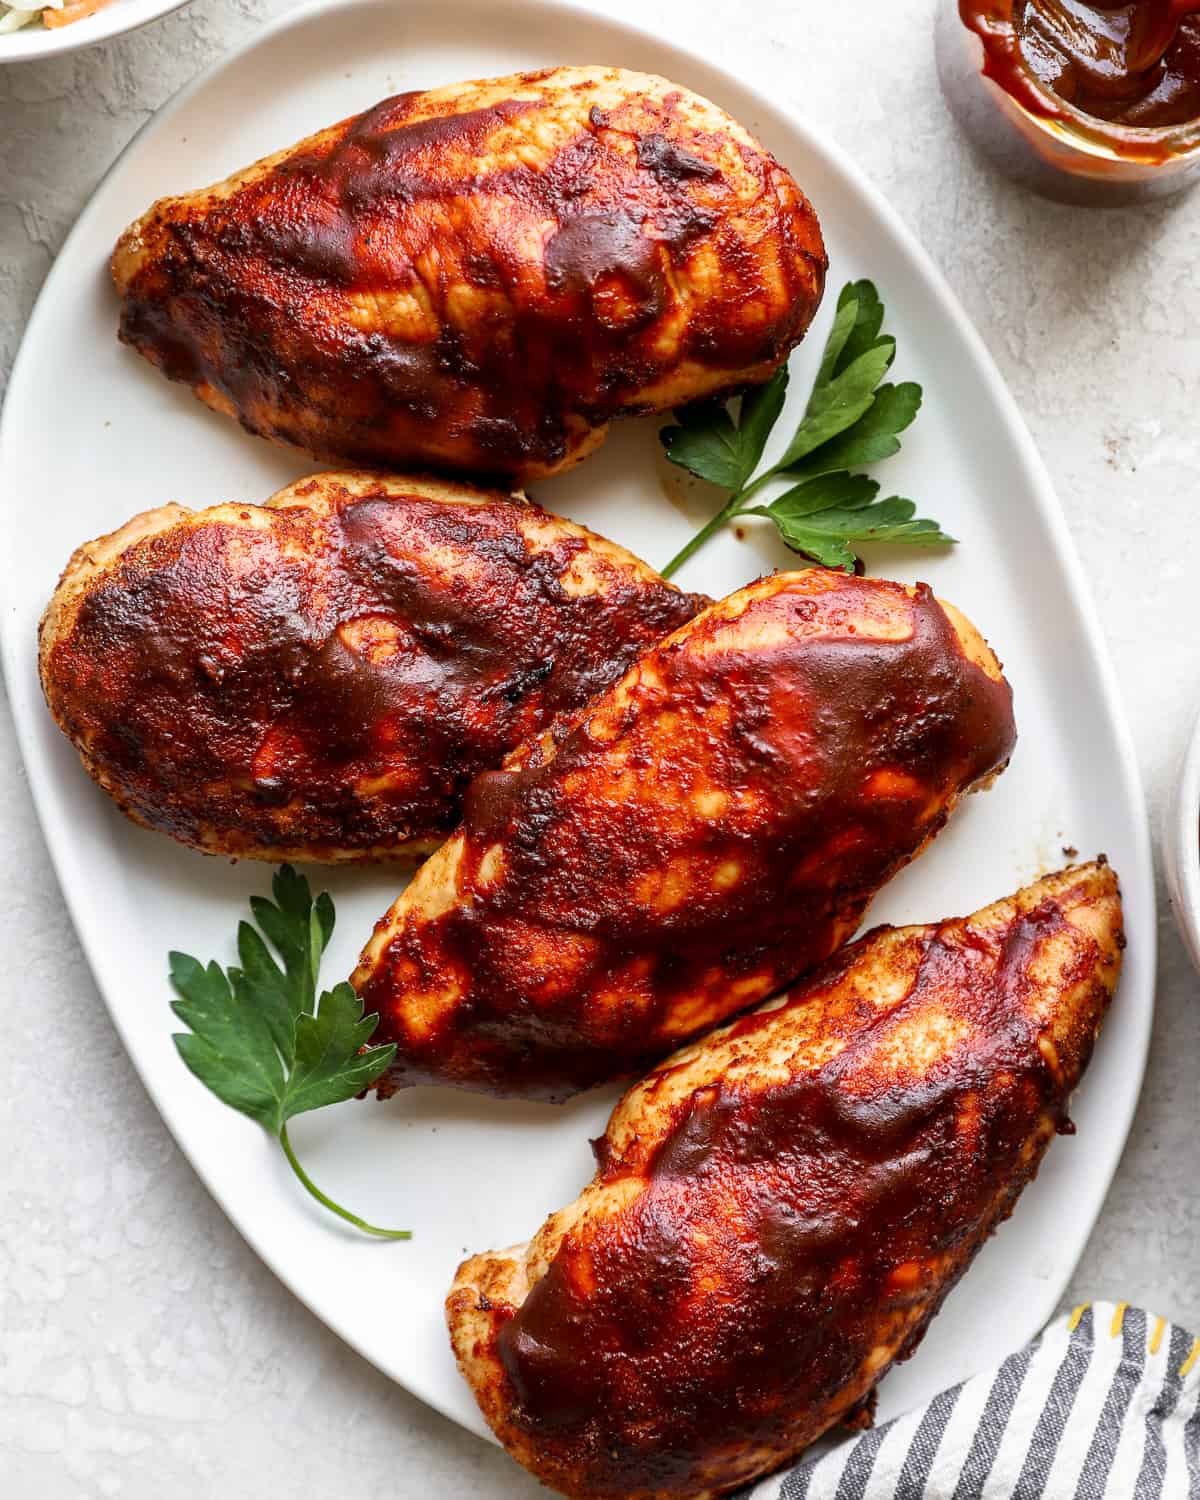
x: 144, y: 1351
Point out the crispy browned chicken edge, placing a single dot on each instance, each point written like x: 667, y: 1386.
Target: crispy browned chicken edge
x: 94, y: 561
x: 495, y: 1279
x: 142, y: 237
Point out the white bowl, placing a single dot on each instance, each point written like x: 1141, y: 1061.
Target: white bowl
x: 34, y: 41
x: 1181, y: 846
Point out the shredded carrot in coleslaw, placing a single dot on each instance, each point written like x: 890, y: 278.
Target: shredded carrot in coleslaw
x: 75, y: 11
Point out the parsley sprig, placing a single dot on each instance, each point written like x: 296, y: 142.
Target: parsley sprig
x: 258, y: 1037
x: 851, y: 420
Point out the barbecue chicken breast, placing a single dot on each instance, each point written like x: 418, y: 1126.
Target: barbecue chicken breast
x: 779, y: 1210
x: 480, y: 277
x: 707, y: 829
x: 319, y: 677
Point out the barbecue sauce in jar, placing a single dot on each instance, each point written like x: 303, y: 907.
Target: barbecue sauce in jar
x: 1091, y: 100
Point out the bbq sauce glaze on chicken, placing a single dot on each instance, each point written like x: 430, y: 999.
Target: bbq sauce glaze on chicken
x: 779, y: 1210
x: 320, y: 677
x: 711, y: 826
x: 480, y: 277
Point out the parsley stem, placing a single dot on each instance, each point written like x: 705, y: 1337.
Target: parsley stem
x: 335, y: 1208
x: 702, y: 536
x: 727, y: 512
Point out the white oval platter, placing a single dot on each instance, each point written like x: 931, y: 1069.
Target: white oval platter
x: 91, y: 434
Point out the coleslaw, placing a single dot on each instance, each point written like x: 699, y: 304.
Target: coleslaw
x: 51, y: 13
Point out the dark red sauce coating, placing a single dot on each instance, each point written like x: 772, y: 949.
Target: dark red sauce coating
x: 838, y: 755
x: 1132, y: 64
x: 566, y: 264
x: 741, y: 1290
x: 236, y: 684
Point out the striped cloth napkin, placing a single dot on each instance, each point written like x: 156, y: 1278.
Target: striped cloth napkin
x: 1103, y: 1405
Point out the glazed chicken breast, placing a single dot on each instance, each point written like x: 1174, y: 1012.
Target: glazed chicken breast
x: 701, y: 833
x: 319, y: 677
x: 480, y: 277
x: 779, y: 1211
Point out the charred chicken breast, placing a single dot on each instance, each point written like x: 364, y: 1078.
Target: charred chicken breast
x: 701, y: 833
x: 779, y: 1211
x: 319, y: 677
x: 480, y: 277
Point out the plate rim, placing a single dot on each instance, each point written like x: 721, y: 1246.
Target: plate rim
x: 1139, y: 874
x: 36, y: 44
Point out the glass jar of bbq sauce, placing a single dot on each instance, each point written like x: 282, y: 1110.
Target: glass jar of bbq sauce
x: 1083, y: 101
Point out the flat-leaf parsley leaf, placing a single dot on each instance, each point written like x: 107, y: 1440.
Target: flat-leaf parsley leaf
x: 852, y: 418
x: 259, y: 1038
